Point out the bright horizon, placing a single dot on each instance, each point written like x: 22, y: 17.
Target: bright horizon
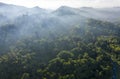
x: 53, y: 4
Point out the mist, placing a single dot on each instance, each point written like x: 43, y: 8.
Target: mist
x: 35, y: 20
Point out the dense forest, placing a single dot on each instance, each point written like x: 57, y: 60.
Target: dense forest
x: 54, y: 47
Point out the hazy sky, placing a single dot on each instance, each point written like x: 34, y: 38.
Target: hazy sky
x: 53, y: 4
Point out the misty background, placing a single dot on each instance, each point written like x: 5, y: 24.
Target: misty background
x: 54, y: 4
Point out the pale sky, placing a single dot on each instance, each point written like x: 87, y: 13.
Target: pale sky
x: 53, y: 4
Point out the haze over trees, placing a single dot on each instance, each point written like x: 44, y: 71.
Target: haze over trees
x: 67, y: 43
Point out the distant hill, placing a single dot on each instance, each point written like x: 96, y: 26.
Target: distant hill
x: 14, y: 11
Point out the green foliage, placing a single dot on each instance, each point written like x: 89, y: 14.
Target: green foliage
x: 82, y: 52
x: 65, y: 55
x: 25, y: 76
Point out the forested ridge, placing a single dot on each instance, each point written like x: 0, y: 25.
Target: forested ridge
x: 88, y: 48
x: 81, y: 53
